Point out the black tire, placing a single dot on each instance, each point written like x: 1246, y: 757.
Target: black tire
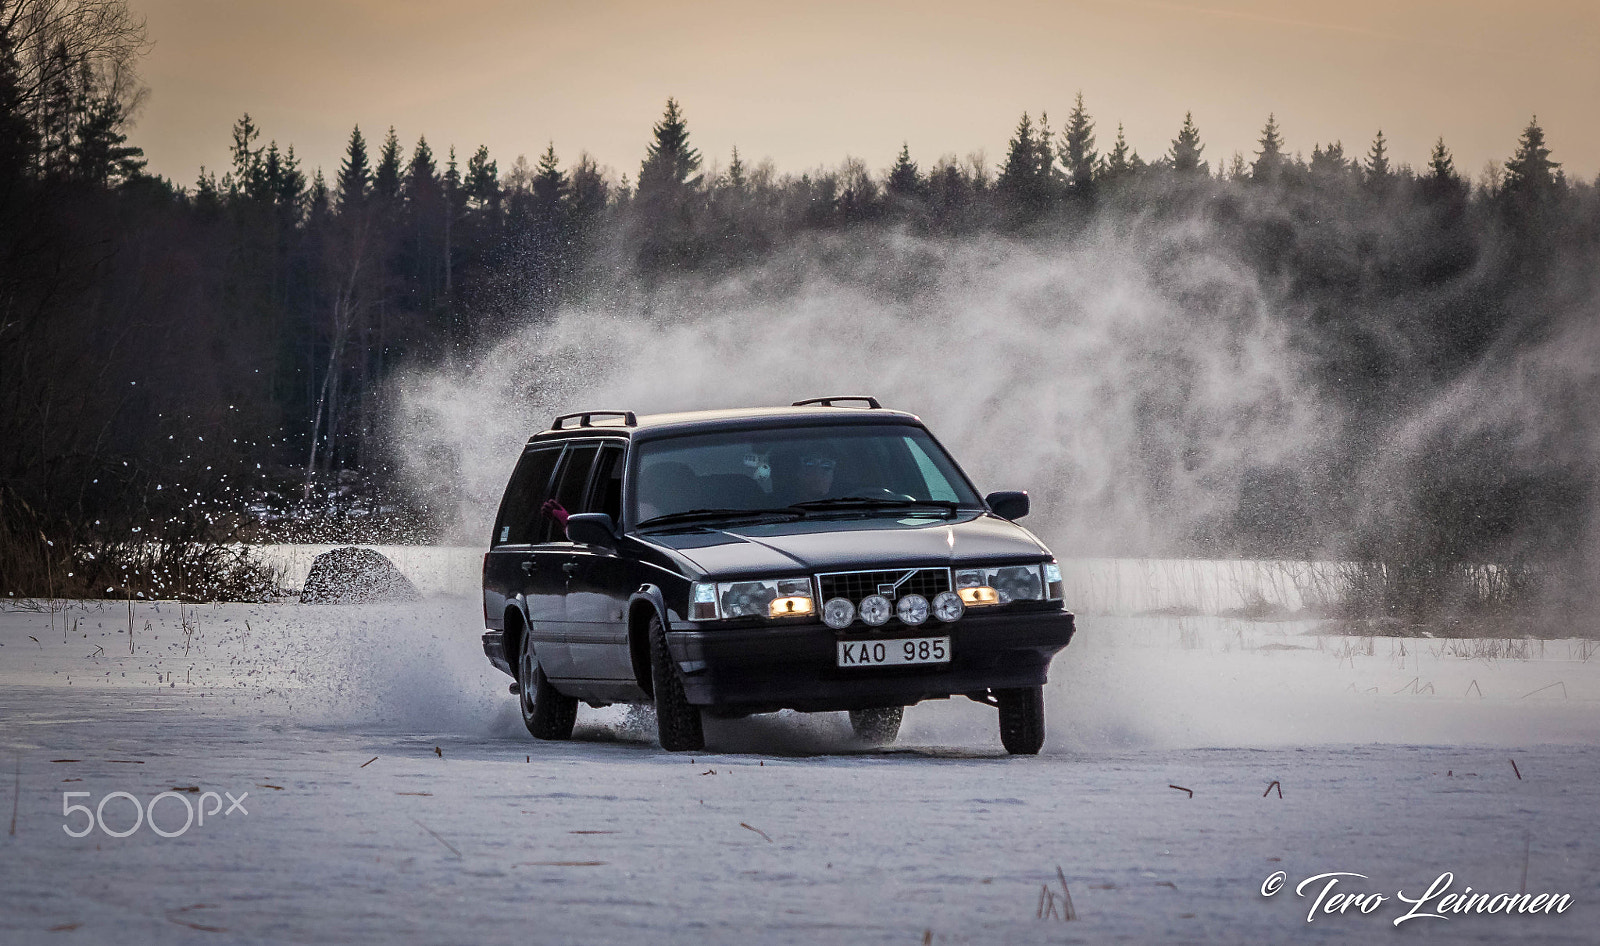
x: 545, y: 711
x: 677, y: 721
x: 877, y: 726
x: 1021, y: 719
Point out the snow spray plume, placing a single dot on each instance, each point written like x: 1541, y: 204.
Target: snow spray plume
x: 1256, y: 373
x: 1127, y: 380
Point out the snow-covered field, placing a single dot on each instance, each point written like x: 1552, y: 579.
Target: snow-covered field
x: 387, y: 800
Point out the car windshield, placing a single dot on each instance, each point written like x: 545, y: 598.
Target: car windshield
x: 807, y: 470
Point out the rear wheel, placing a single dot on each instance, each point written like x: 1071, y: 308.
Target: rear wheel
x: 677, y: 721
x: 877, y: 726
x: 545, y: 711
x: 1021, y: 719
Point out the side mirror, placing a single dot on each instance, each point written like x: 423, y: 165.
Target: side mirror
x: 1007, y: 504
x: 592, y: 528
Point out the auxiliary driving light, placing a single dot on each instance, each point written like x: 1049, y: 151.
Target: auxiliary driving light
x: 947, y: 607
x: 838, y: 613
x: 912, y: 609
x: 978, y: 596
x: 791, y: 607
x: 875, y: 610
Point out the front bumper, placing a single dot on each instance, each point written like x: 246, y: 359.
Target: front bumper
x: 765, y: 669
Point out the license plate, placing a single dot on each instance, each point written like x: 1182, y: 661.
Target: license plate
x: 889, y: 653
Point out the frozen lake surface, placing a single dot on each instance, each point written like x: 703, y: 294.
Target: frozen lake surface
x: 393, y: 795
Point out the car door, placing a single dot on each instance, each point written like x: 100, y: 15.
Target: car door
x: 558, y: 557
x: 601, y: 584
x: 515, y: 570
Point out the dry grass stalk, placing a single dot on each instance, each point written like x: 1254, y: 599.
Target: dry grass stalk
x: 437, y: 838
x: 756, y: 830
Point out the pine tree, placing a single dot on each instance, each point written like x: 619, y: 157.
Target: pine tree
x: 1024, y: 180
x: 905, y: 181
x: 737, y: 180
x: 1329, y: 164
x: 1442, y: 181
x: 1119, y: 163
x: 1441, y: 165
x: 319, y: 202
x: 1238, y: 169
x: 1269, y: 164
x: 288, y: 184
x: 1184, y: 155
x: 669, y: 159
x: 483, y: 181
x: 355, y: 177
x: 1378, y: 173
x: 100, y: 153
x: 422, y: 174
x: 549, y: 183
x: 588, y: 189
x: 452, y: 177
x: 386, y: 178
x: 18, y: 141
x: 248, y: 174
x: 57, y: 108
x: 1078, y: 156
x: 207, y: 192
x: 1530, y: 175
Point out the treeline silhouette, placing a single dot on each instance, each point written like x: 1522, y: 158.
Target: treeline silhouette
x: 197, y: 359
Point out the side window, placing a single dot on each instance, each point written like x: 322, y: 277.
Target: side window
x: 571, y: 481
x: 605, y: 493
x: 526, y: 492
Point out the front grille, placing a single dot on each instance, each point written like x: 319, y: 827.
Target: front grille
x: 853, y: 586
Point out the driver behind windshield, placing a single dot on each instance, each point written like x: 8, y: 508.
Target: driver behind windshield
x: 802, y: 474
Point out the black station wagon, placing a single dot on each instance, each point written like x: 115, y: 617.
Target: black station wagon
x: 818, y: 557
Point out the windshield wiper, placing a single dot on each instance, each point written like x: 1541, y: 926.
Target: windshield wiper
x: 695, y: 515
x: 869, y: 503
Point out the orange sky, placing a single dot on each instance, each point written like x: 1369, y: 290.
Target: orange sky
x: 808, y: 84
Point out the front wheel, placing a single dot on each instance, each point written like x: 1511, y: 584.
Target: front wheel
x: 877, y: 726
x: 1021, y: 719
x: 545, y: 711
x: 677, y: 720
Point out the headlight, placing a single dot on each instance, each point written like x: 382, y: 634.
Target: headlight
x: 1001, y: 585
x: 774, y: 598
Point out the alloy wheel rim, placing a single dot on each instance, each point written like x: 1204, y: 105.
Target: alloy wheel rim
x: 526, y: 696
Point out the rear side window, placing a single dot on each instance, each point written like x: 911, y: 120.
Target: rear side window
x: 526, y: 492
x: 605, y: 495
x: 572, y: 480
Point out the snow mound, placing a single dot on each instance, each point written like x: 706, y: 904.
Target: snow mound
x: 352, y: 575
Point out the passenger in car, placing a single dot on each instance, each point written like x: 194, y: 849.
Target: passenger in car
x: 554, y: 510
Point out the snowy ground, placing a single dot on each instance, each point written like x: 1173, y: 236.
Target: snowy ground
x: 1395, y: 760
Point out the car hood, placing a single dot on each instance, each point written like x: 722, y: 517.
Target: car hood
x: 824, y: 545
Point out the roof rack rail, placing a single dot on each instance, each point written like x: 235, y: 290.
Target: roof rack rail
x: 586, y: 419
x: 871, y: 402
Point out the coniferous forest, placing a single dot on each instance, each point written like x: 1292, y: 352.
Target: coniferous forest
x: 188, y: 362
